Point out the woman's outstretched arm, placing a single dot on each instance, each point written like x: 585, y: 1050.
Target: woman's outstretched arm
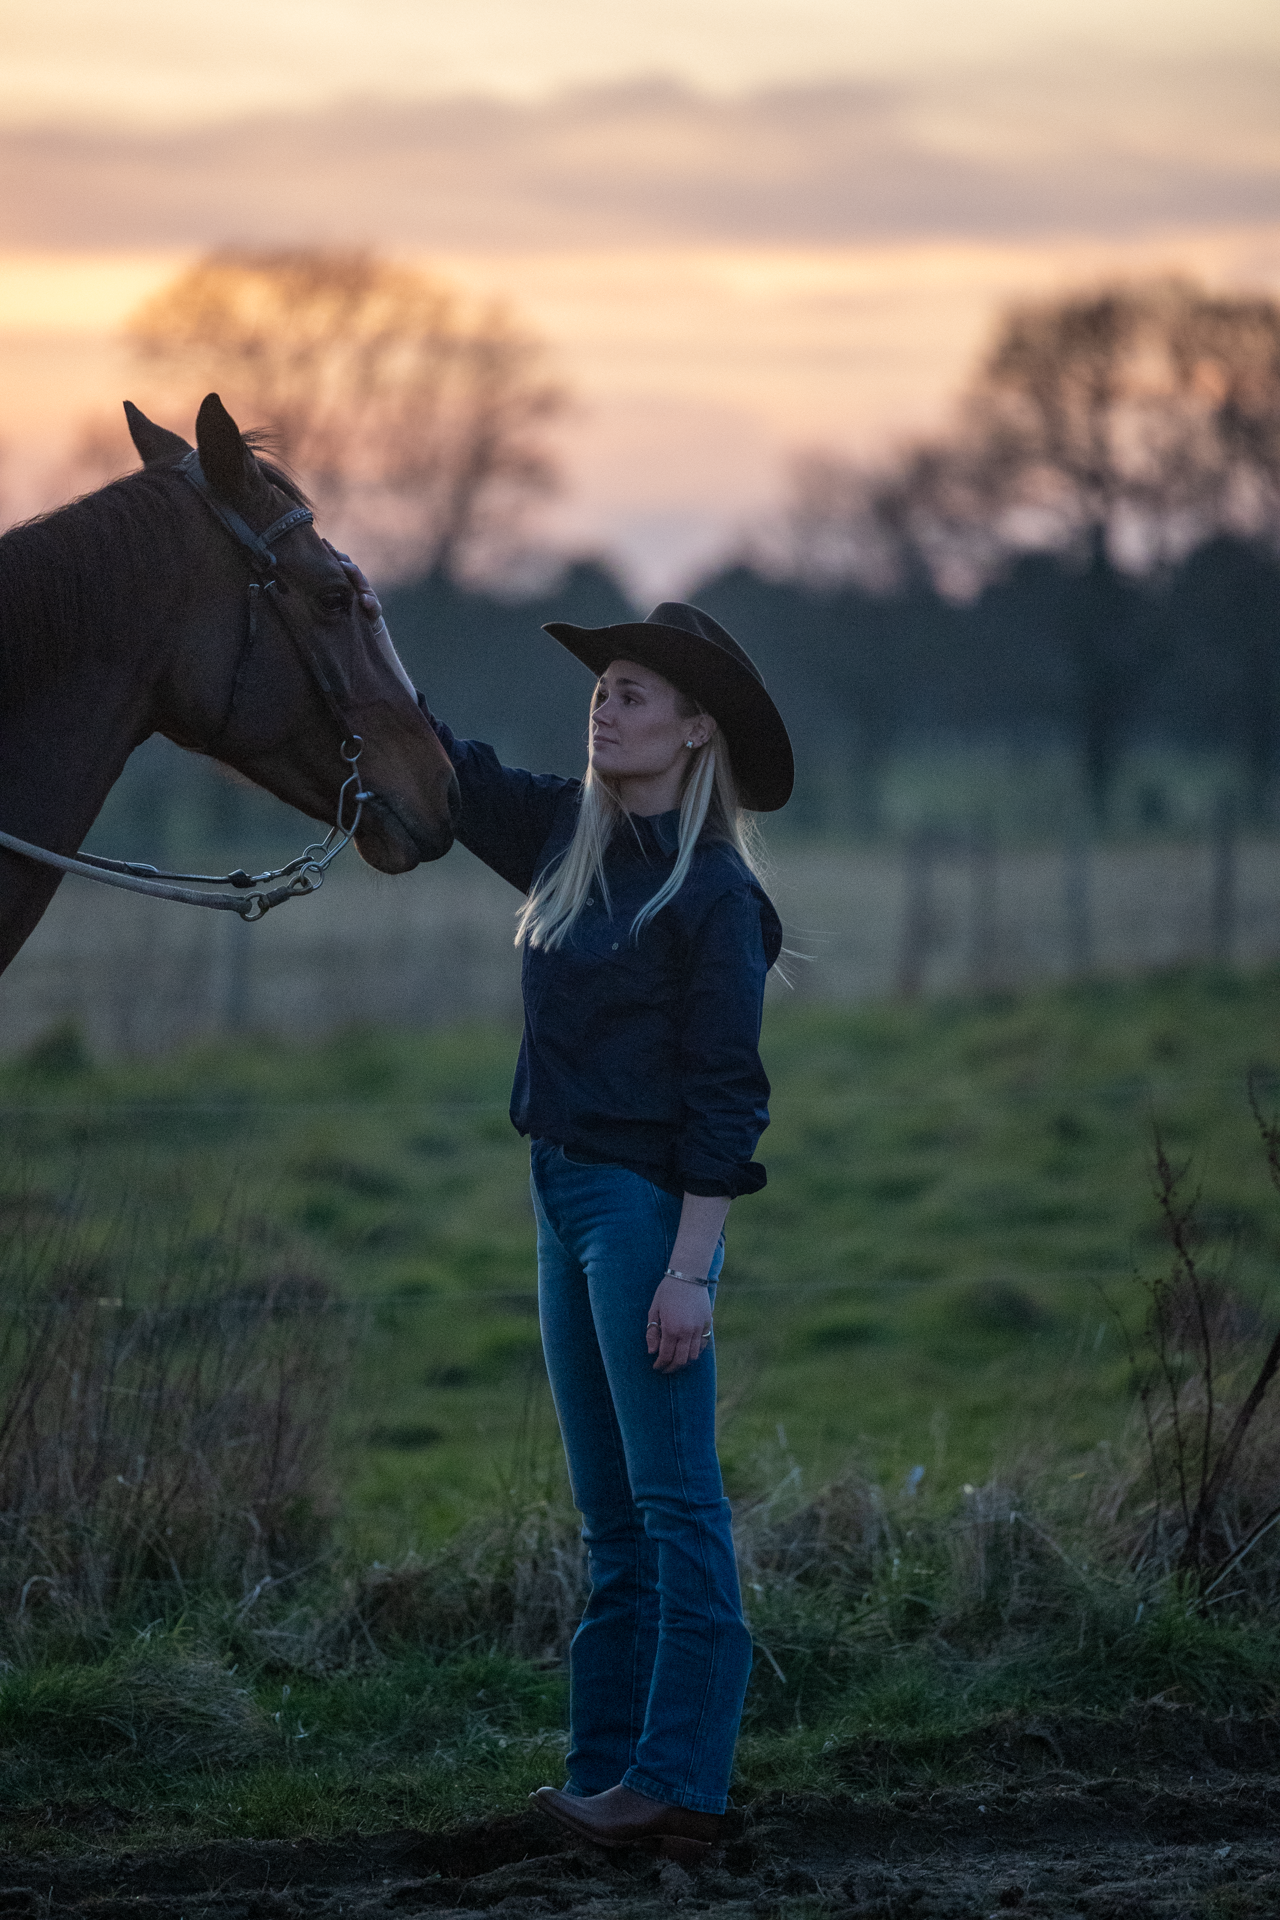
x: 507, y: 814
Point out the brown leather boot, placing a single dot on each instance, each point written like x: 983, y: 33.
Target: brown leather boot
x: 622, y: 1818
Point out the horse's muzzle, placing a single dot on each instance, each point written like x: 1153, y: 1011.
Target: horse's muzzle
x: 393, y: 843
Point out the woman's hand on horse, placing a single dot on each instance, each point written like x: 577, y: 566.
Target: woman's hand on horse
x: 679, y: 1317
x: 368, y: 599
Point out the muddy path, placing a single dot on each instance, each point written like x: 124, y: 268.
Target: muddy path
x: 1104, y: 1849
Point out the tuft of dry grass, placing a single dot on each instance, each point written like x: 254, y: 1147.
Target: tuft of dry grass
x: 513, y: 1582
x: 158, y: 1448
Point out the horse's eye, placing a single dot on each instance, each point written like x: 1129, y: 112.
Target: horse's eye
x: 335, y: 600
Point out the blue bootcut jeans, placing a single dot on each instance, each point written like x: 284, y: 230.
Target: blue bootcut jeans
x: 659, y: 1664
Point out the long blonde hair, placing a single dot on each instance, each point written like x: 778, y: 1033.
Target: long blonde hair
x: 709, y: 804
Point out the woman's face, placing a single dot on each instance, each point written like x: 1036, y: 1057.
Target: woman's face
x: 637, y: 729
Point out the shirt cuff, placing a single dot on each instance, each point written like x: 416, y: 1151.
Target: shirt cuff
x: 735, y: 1181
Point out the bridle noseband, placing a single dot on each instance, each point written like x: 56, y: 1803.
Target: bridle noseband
x: 303, y: 875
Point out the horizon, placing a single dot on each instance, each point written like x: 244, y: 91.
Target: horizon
x: 730, y: 264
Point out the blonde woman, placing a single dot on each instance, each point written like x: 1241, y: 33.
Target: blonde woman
x: 647, y: 938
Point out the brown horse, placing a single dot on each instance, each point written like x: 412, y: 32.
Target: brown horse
x: 126, y: 614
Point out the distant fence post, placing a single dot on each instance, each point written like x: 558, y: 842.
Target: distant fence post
x: 1077, y: 902
x: 1223, y: 891
x: 919, y: 912
x: 984, y: 936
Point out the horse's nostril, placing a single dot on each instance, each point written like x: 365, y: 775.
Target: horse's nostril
x: 455, y: 801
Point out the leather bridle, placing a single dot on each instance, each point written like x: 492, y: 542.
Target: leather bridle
x: 265, y: 588
x: 252, y: 895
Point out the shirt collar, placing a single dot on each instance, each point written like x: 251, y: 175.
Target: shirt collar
x: 657, y: 833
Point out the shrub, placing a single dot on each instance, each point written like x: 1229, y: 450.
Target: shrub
x: 1204, y: 1499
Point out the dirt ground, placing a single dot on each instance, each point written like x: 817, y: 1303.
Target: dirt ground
x: 1107, y: 1849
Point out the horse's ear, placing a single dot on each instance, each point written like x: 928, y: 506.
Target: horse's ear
x: 153, y: 443
x: 229, y: 467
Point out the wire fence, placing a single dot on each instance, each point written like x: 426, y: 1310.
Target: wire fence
x: 944, y: 912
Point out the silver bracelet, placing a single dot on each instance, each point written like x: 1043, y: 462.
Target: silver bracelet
x: 689, y: 1279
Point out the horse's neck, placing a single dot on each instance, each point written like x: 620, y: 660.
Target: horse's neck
x: 62, y: 748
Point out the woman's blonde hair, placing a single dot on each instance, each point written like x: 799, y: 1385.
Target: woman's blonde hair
x: 709, y: 805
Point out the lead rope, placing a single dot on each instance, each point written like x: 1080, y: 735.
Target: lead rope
x: 302, y: 876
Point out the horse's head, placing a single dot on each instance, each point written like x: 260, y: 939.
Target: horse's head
x: 275, y: 665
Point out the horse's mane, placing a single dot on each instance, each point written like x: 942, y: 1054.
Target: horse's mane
x: 73, y: 580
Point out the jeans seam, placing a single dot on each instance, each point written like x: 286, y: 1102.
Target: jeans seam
x: 678, y: 1455
x: 712, y: 1663
x: 636, y: 1709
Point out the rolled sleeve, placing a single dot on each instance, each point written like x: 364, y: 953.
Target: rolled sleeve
x: 508, y: 815
x: 724, y: 1088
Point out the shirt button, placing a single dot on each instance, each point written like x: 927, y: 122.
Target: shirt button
x: 615, y: 946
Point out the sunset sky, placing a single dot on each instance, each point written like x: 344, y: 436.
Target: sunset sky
x: 744, y: 227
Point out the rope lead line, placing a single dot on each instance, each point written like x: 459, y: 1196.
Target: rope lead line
x: 301, y: 876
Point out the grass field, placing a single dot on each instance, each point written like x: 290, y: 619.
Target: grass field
x: 957, y: 1196
x: 930, y: 1290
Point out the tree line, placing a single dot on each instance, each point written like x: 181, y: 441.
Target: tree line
x: 1187, y: 659
x: 1086, y: 559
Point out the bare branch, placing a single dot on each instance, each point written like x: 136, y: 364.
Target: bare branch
x: 415, y: 415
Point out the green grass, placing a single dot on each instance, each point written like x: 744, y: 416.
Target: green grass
x: 174, y: 1742
x: 955, y: 1192
x: 181, y: 1742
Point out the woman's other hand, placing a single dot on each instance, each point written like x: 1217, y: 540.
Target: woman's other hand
x: 679, y: 1320
x: 368, y: 599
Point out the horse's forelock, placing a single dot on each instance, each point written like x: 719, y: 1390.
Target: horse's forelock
x: 262, y: 444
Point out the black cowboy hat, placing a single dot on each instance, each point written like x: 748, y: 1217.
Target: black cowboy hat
x: 693, y: 651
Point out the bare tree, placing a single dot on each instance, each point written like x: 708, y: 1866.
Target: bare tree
x: 1231, y: 345
x: 917, y: 522
x: 1144, y: 417
x: 415, y: 415
x: 1127, y: 425
x: 1141, y: 416
x: 1119, y: 427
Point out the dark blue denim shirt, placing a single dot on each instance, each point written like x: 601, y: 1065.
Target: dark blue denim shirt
x: 639, y: 1050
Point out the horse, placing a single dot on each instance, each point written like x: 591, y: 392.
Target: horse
x: 145, y: 608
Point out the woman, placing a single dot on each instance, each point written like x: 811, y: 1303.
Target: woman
x: 646, y: 940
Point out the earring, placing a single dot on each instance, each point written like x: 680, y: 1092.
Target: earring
x: 688, y: 743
